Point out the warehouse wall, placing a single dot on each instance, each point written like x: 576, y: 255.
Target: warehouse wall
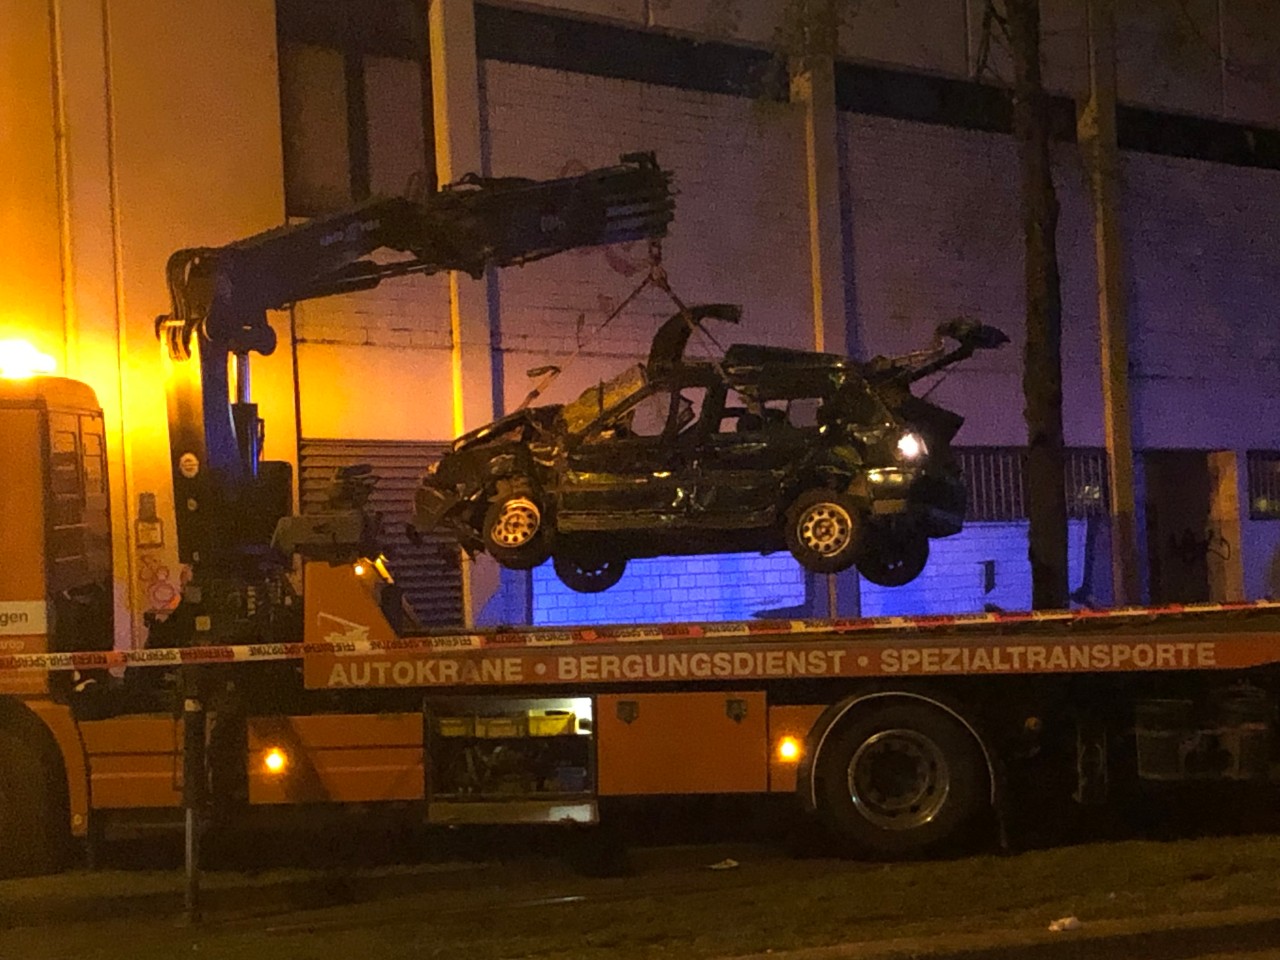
x: 740, y: 232
x: 1212, y: 58
x: 177, y: 143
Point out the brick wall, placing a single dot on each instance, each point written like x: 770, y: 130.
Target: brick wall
x: 935, y: 232
x: 934, y: 229
x: 956, y: 579
x: 740, y: 232
x: 357, y: 350
x: 725, y: 587
x: 1201, y: 245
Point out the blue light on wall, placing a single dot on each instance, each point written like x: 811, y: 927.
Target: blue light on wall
x: 669, y: 589
x: 984, y: 566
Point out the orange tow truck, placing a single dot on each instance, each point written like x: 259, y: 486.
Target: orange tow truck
x: 899, y: 734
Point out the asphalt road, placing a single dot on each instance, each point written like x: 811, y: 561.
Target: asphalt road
x: 1207, y: 898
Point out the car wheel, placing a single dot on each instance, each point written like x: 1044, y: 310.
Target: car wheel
x: 901, y: 780
x: 824, y: 531
x: 514, y: 534
x: 891, y: 560
x: 589, y: 576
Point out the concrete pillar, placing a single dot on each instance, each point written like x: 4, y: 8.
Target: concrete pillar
x: 1096, y: 129
x: 813, y: 89
x: 1225, y: 552
x: 457, y: 117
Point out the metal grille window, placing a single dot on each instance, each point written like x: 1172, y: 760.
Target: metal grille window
x: 996, y: 478
x: 429, y: 572
x: 1264, y: 484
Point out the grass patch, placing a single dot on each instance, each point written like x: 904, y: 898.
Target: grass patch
x: 673, y: 906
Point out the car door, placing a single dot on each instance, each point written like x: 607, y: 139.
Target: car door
x: 623, y: 472
x: 745, y: 463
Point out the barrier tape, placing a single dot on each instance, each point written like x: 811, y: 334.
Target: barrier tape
x: 754, y: 630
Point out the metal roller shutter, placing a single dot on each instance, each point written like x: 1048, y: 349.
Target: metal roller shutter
x: 429, y: 573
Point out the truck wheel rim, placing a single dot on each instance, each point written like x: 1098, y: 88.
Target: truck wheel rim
x: 899, y: 780
x: 516, y: 524
x: 825, y: 529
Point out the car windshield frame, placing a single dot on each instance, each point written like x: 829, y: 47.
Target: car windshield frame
x: 598, y: 402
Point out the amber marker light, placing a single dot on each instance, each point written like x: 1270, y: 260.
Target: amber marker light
x: 275, y: 760
x: 788, y: 749
x: 19, y: 360
x: 359, y: 569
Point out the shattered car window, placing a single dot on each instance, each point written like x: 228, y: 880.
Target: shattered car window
x: 582, y: 412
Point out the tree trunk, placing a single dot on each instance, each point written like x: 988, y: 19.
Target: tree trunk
x: 1042, y: 366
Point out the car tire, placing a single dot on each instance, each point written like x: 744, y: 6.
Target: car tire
x: 514, y: 528
x: 901, y: 780
x: 824, y: 531
x: 893, y: 560
x: 589, y: 576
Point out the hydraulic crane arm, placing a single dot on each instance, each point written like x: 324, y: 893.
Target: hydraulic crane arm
x: 471, y: 225
x: 220, y: 297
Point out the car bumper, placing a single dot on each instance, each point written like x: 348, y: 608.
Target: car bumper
x: 935, y: 502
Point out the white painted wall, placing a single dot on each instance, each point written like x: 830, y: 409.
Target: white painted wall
x: 740, y: 233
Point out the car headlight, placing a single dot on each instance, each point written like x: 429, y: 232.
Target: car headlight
x: 911, y: 446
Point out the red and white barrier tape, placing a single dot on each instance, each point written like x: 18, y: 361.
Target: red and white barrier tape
x: 500, y: 639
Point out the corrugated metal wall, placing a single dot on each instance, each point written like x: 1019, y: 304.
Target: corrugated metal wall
x: 429, y: 572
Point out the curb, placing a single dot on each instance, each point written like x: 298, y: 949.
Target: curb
x: 1168, y: 936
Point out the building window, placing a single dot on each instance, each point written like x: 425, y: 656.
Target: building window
x: 355, y: 101
x: 1264, y: 484
x: 996, y: 478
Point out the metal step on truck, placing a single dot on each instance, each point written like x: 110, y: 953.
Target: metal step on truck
x: 898, y: 734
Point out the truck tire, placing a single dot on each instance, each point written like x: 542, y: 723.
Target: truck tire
x: 901, y: 780
x: 26, y: 835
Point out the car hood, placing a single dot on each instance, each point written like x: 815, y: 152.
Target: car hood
x: 511, y: 423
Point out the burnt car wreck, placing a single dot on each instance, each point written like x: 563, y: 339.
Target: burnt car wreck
x: 763, y: 449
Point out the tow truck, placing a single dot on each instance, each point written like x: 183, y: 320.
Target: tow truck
x: 899, y: 734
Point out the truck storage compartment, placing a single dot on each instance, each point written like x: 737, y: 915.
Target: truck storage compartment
x: 500, y: 760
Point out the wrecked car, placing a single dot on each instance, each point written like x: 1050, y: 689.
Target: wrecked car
x: 763, y: 449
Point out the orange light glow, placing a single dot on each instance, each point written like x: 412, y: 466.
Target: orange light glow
x: 788, y: 749
x: 275, y: 760
x: 19, y: 360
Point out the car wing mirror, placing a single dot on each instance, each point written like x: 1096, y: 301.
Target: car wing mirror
x: 970, y: 333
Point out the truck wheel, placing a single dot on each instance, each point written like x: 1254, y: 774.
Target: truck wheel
x: 589, y: 576
x: 892, y: 560
x: 513, y: 530
x: 901, y: 780
x: 26, y: 846
x: 824, y: 531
